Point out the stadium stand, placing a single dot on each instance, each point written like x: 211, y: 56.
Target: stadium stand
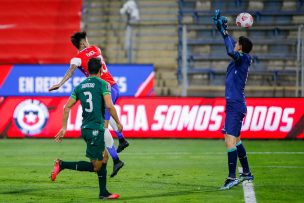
x: 274, y: 34
x: 158, y: 40
x: 155, y: 37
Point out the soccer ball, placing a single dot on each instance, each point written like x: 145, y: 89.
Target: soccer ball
x: 244, y: 20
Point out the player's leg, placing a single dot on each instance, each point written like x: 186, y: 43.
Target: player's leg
x: 91, y: 140
x: 230, y: 142
x: 95, y: 150
x: 78, y: 166
x: 102, y: 180
x: 231, y: 180
x: 246, y: 174
x: 109, y: 143
x: 123, y: 143
x: 231, y: 132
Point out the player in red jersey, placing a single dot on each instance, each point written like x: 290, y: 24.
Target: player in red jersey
x: 85, y: 53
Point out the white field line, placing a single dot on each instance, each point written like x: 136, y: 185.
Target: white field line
x: 249, y: 194
x: 206, y: 153
x: 276, y: 153
x: 289, y: 167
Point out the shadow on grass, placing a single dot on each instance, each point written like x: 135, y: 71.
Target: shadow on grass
x: 34, y: 190
x: 167, y: 194
x: 22, y: 191
x: 195, y: 190
x: 197, y: 187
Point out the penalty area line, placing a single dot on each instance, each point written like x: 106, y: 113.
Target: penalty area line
x: 249, y: 194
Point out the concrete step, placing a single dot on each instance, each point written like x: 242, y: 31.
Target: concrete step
x: 141, y: 4
x: 161, y: 62
x: 145, y: 39
x: 140, y: 40
x: 157, y: 29
x: 156, y: 54
x: 118, y: 60
x: 151, y: 46
x: 143, y: 16
x: 142, y: 10
x: 166, y: 75
x: 116, y: 46
x: 171, y: 83
x: 175, y: 91
x: 161, y: 91
x: 159, y: 4
x: 112, y: 52
x: 99, y: 33
x: 137, y: 33
x: 165, y: 67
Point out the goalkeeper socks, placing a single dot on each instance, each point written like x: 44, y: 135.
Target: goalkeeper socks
x: 242, y: 157
x: 102, y: 180
x: 77, y: 166
x: 232, y: 160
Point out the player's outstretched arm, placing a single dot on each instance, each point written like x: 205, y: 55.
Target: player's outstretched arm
x: 65, y: 78
x: 230, y: 44
x: 71, y: 102
x: 221, y: 23
x: 112, y: 110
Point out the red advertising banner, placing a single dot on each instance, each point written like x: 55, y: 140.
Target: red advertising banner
x: 267, y: 118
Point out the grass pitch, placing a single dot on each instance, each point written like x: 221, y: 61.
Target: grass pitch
x: 155, y: 171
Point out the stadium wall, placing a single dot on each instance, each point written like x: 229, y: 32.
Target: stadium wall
x: 156, y: 117
x: 27, y: 109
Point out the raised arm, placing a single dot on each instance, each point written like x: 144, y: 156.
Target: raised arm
x: 221, y: 23
x: 65, y: 78
x: 230, y: 44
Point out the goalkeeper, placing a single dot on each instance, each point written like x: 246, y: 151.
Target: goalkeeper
x: 236, y: 77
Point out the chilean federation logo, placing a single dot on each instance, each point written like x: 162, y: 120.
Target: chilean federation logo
x: 31, y: 116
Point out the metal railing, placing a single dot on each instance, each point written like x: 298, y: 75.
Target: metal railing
x: 184, y: 84
x: 300, y: 59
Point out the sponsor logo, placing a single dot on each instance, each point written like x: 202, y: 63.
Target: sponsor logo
x: 203, y: 118
x: 196, y: 118
x: 31, y: 116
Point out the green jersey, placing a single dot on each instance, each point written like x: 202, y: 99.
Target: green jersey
x: 90, y: 92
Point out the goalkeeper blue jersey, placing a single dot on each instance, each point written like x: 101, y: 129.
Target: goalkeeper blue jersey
x: 237, y: 72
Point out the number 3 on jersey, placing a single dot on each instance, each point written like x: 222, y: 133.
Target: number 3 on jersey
x: 89, y: 101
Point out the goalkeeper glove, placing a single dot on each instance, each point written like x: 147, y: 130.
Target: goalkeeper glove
x: 220, y: 22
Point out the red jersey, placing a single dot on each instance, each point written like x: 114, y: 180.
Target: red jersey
x: 82, y: 58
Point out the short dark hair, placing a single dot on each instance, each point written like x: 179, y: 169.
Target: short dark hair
x: 246, y: 44
x: 94, y: 65
x: 77, y: 37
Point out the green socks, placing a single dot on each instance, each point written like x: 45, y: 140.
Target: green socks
x: 88, y: 166
x: 77, y: 166
x: 102, y: 179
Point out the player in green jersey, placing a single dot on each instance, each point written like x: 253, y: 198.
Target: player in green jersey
x: 94, y: 95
